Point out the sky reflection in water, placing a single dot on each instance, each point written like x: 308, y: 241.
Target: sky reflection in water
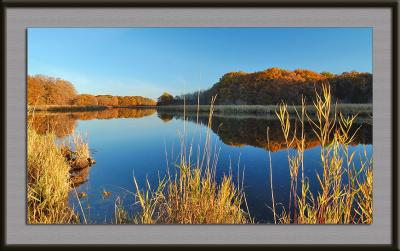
x: 139, y: 143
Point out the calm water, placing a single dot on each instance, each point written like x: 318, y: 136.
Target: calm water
x: 140, y: 143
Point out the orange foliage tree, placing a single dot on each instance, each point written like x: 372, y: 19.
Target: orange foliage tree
x: 85, y: 100
x: 44, y: 90
x: 107, y: 100
x: 135, y: 101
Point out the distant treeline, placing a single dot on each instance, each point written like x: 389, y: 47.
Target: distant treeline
x: 274, y: 85
x: 44, y: 90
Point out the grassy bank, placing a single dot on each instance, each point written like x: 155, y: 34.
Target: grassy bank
x: 49, y: 168
x: 361, y: 109
x: 66, y: 108
x: 48, y: 181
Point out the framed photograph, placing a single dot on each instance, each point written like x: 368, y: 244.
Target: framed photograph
x: 200, y: 124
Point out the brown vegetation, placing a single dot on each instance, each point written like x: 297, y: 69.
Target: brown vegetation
x: 275, y: 85
x: 126, y: 101
x: 52, y: 171
x: 48, y: 181
x: 85, y: 100
x: 45, y: 91
x: 107, y: 100
x: 77, y: 154
x: 345, y: 190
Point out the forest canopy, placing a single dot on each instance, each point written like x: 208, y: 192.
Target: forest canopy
x: 275, y: 85
x: 45, y: 90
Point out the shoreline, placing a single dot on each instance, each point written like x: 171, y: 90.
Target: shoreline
x: 75, y: 108
x: 361, y: 109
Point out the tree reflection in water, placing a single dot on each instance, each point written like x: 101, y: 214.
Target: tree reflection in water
x: 252, y: 130
x: 233, y: 130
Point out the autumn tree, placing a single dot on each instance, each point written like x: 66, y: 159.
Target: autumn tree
x: 36, y: 91
x: 123, y: 101
x: 60, y: 92
x: 44, y: 90
x: 85, y: 100
x: 135, y: 101
x: 165, y: 99
x: 107, y: 100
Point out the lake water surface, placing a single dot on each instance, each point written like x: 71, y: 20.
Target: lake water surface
x: 144, y: 143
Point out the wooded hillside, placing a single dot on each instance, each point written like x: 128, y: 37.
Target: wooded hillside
x: 274, y: 85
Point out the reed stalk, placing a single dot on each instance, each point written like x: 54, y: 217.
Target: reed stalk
x: 345, y: 191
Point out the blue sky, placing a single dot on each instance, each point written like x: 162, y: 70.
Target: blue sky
x: 149, y: 61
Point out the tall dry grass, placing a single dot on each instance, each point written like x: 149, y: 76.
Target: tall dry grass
x: 48, y: 182
x: 345, y: 192
x: 192, y: 197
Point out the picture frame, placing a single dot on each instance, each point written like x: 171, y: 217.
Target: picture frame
x: 383, y: 16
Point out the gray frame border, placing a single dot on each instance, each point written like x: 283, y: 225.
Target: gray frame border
x: 378, y: 233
